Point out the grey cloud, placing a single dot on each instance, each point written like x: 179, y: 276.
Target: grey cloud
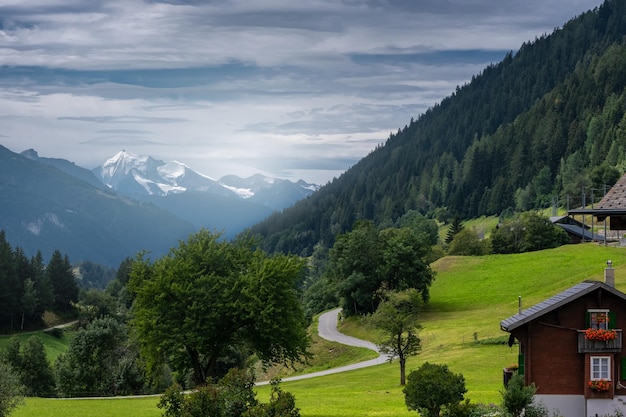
x: 123, y: 119
x: 119, y: 141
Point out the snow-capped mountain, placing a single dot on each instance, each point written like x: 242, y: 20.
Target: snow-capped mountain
x: 271, y: 192
x: 50, y: 203
x: 138, y: 175
x: 142, y: 176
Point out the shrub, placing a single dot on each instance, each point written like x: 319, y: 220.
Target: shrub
x: 232, y: 396
x: 11, y: 390
x: 517, y: 395
x: 432, y: 386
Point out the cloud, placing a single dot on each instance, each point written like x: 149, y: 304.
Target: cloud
x: 237, y: 87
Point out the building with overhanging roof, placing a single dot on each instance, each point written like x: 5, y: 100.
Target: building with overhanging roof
x: 570, y: 347
x: 611, y: 208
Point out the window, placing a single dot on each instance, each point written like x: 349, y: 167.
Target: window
x: 600, y: 368
x: 599, y: 319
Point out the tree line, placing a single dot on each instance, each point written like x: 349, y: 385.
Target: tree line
x: 186, y: 318
x: 29, y: 287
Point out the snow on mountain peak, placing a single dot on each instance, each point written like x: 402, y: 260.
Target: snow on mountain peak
x: 143, y: 175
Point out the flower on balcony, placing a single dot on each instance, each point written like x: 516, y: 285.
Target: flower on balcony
x: 602, y: 318
x: 599, y: 385
x: 600, y: 334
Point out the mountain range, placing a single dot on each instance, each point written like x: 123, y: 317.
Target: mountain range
x: 130, y: 203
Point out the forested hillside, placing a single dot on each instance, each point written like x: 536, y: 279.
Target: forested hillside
x: 540, y: 126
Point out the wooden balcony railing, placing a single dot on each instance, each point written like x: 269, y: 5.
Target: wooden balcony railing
x: 606, y: 346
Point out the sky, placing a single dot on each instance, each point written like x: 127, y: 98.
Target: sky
x: 289, y: 89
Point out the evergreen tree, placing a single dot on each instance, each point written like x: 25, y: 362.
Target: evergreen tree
x: 10, y: 287
x: 64, y: 286
x: 43, y: 287
x: 36, y: 372
x: 455, y: 227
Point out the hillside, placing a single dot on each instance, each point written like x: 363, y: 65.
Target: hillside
x: 469, y: 298
x: 525, y: 132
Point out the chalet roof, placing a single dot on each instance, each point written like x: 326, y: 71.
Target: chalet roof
x: 580, y: 232
x: 613, y: 202
x: 555, y: 302
x: 615, y: 199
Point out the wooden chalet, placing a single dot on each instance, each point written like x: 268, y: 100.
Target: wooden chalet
x: 571, y: 348
x: 611, y: 210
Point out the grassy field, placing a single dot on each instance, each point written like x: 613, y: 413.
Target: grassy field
x: 469, y: 298
x: 54, y: 345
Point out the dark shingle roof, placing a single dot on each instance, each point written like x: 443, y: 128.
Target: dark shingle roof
x: 555, y: 302
x: 615, y: 199
x: 580, y: 232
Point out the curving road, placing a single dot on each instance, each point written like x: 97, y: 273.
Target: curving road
x: 327, y: 329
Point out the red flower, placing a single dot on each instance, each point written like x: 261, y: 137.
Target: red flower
x: 599, y: 385
x: 600, y: 334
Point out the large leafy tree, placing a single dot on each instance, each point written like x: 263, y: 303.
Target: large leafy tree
x: 209, y: 297
x: 97, y: 360
x: 397, y: 316
x: 366, y: 262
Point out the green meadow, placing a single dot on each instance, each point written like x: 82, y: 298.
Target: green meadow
x: 461, y: 328
x: 54, y: 345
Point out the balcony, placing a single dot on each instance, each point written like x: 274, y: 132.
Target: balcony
x: 597, y: 346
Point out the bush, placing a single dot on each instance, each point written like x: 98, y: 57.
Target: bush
x: 517, y: 395
x: 232, y: 396
x: 11, y: 390
x: 432, y: 386
x: 468, y: 243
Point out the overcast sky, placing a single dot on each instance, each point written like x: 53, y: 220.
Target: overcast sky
x: 286, y: 88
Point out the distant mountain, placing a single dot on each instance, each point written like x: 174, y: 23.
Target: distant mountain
x: 43, y: 208
x: 270, y: 192
x: 67, y: 167
x: 128, y: 204
x: 141, y: 176
x: 138, y: 175
x: 546, y: 124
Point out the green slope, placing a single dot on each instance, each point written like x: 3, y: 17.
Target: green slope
x: 470, y: 296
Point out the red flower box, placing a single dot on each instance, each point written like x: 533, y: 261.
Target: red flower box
x: 600, y: 334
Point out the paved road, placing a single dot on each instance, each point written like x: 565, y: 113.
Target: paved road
x: 327, y: 329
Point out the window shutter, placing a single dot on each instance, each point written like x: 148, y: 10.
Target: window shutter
x: 520, y: 363
x: 587, y: 320
x: 612, y: 320
x: 623, y: 373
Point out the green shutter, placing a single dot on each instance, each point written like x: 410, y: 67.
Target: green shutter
x: 520, y: 364
x: 612, y: 320
x: 623, y: 373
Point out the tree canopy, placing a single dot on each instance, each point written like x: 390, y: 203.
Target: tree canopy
x: 432, y: 386
x: 366, y: 262
x: 398, y: 317
x: 209, y: 298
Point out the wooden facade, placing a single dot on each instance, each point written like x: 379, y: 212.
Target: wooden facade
x: 560, y: 355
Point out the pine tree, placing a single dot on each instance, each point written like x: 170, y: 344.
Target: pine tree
x: 63, y: 282
x: 455, y: 228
